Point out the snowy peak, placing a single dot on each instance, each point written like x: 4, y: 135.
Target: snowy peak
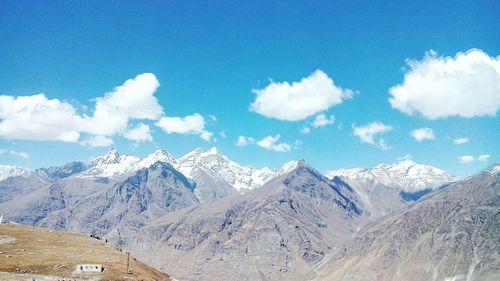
x: 407, y: 175
x: 111, y: 157
x: 113, y: 164
x: 158, y: 155
x: 493, y: 170
x: 214, y: 162
x: 7, y: 171
x: 290, y: 166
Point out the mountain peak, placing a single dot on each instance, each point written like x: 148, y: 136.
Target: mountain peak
x: 405, y: 175
x: 213, y: 150
x: 159, y: 155
x: 112, y: 156
x: 493, y: 169
x: 7, y: 171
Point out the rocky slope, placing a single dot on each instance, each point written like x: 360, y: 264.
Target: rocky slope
x: 115, y: 209
x: 274, y: 233
x: 450, y: 234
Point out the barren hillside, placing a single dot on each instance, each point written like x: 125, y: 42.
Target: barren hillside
x: 30, y: 253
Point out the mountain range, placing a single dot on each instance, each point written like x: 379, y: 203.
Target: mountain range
x: 203, y: 217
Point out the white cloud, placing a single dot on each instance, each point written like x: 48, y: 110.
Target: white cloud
x: 483, y: 157
x: 243, y: 141
x: 192, y: 124
x: 140, y: 133
x: 298, y: 100
x: 21, y: 154
x: 305, y: 130
x: 223, y: 134
x: 422, y: 134
x: 271, y: 143
x: 466, y: 158
x: 466, y: 85
x: 405, y: 157
x: 39, y: 118
x: 461, y: 140
x: 368, y: 132
x: 97, y: 141
x: 134, y: 99
x: 321, y: 120
x: 206, y: 135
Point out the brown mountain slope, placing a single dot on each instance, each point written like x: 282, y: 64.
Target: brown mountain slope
x: 450, y: 235
x: 41, y: 254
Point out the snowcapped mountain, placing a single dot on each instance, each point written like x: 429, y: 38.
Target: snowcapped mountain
x: 7, y: 171
x: 389, y: 187
x: 277, y: 232
x: 215, y: 175
x: 113, y: 163
x: 407, y: 176
x: 213, y: 162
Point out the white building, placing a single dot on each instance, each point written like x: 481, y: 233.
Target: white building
x: 89, y: 268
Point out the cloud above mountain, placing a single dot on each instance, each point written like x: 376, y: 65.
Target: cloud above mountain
x: 298, y: 100
x: 461, y: 140
x: 271, y: 143
x: 422, y: 134
x: 141, y: 132
x: 192, y: 124
x: 368, y: 133
x: 39, y: 118
x: 244, y: 141
x: 467, y: 85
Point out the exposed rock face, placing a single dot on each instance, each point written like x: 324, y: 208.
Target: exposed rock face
x: 274, y: 233
x: 386, y: 188
x: 115, y: 209
x: 63, y: 171
x: 451, y: 234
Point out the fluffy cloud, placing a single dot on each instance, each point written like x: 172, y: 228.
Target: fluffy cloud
x: 271, y: 143
x: 39, y: 118
x: 298, y: 100
x: 483, y: 157
x: 466, y: 158
x: 470, y: 158
x: 21, y: 154
x: 368, y: 132
x: 192, y: 124
x: 141, y: 132
x: 134, y: 99
x: 321, y: 120
x: 461, y: 140
x: 244, y: 141
x: 466, y: 85
x: 98, y: 141
x: 422, y: 134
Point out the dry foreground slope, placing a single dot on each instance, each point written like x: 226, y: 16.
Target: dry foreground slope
x: 30, y: 253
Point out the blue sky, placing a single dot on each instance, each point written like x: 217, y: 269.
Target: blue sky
x: 208, y: 57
